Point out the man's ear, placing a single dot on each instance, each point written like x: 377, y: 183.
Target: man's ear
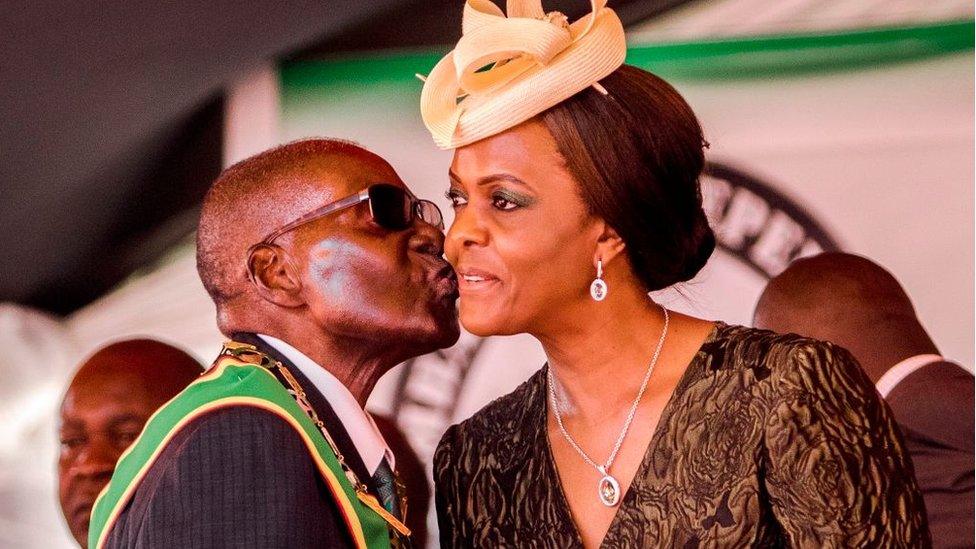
x: 608, y: 245
x: 273, y: 276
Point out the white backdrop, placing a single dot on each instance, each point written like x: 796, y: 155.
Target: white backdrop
x: 881, y: 157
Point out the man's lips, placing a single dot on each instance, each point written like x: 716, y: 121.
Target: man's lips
x: 82, y: 496
x: 445, y: 280
x: 82, y: 511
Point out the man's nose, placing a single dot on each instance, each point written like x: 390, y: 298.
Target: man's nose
x: 427, y: 239
x: 97, y: 459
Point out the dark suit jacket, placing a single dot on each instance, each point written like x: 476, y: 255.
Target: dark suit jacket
x: 934, y: 408
x: 239, y: 477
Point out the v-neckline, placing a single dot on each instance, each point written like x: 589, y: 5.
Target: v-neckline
x: 562, y: 502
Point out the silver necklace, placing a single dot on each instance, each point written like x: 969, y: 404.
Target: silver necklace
x: 608, y: 489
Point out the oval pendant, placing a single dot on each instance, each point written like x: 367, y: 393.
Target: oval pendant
x: 598, y: 290
x: 609, y: 490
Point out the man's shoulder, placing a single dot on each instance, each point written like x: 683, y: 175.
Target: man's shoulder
x: 240, y: 425
x: 937, y: 377
x: 233, y: 442
x: 936, y: 400
x: 940, y: 383
x: 233, y: 406
x: 238, y: 465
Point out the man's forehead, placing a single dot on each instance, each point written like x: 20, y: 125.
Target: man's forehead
x: 113, y: 375
x: 325, y: 180
x: 103, y: 383
x: 346, y: 173
x: 108, y: 403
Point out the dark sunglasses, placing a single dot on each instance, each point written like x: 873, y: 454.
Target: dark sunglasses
x: 391, y: 207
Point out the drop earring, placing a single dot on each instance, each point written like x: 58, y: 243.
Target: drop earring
x: 598, y: 289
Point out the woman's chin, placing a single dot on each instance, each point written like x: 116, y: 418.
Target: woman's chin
x: 479, y: 327
x: 483, y: 325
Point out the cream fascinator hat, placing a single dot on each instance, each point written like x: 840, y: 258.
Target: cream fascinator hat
x: 505, y: 70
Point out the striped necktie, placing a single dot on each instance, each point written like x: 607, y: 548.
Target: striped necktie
x: 384, y: 480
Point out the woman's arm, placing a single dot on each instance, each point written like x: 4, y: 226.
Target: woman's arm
x: 837, y: 470
x: 447, y: 491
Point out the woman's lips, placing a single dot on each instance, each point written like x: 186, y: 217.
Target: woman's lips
x: 472, y: 280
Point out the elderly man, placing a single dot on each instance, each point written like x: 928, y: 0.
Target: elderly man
x: 326, y: 272
x: 112, y: 395
x: 856, y: 304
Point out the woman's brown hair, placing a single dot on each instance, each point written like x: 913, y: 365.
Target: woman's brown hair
x: 637, y: 155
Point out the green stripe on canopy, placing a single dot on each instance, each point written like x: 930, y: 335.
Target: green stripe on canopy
x: 739, y: 58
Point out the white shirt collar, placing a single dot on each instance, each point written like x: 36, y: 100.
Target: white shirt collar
x: 903, y: 369
x: 358, y: 423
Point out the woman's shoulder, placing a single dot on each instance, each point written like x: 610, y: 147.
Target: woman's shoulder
x: 736, y: 347
x: 504, y: 422
x: 785, y: 365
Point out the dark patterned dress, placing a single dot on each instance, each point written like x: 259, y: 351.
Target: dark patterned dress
x: 768, y: 441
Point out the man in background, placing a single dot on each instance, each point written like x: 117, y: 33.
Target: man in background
x: 104, y: 409
x: 852, y: 302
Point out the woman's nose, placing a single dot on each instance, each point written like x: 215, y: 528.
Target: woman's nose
x: 466, y: 231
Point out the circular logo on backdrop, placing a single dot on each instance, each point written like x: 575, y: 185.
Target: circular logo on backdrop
x: 756, y: 225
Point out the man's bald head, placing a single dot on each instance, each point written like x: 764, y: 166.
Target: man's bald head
x: 105, y: 407
x: 848, y: 300
x: 337, y: 284
x: 830, y: 286
x: 159, y: 369
x: 264, y: 192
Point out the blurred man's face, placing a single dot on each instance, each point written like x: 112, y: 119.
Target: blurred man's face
x: 100, y: 417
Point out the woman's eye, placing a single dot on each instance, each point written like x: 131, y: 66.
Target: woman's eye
x: 457, y: 199
x: 502, y: 203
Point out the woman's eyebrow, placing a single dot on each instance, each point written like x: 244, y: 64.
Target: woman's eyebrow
x: 492, y: 178
x: 500, y: 177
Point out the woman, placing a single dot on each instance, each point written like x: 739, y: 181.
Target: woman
x: 575, y: 195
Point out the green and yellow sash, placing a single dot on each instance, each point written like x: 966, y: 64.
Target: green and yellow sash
x: 231, y: 382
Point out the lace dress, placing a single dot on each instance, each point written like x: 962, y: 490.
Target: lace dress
x: 769, y: 440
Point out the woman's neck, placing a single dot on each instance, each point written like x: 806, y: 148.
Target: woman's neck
x: 599, y: 352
